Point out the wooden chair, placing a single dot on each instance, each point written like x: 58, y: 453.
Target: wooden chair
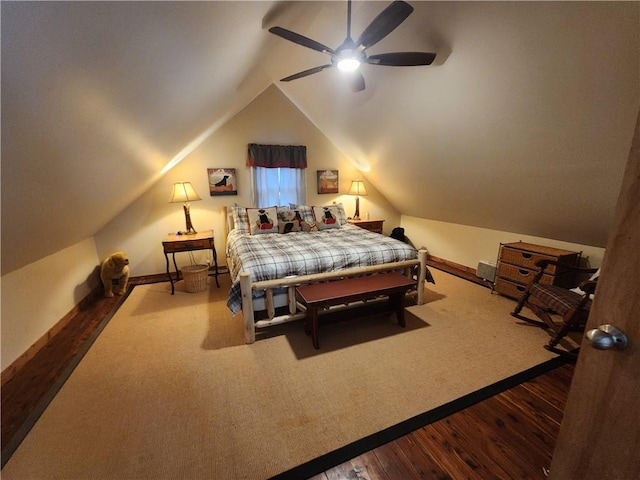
x: 547, y: 301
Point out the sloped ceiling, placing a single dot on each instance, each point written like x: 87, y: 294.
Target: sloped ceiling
x: 522, y: 124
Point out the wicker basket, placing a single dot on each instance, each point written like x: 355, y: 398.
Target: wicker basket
x: 195, y: 278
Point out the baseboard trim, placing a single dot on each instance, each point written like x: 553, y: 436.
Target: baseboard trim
x: 458, y: 270
x: 14, y: 368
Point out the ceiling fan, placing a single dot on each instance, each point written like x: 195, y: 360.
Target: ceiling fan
x: 350, y: 55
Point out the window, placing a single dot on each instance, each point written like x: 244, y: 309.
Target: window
x: 278, y: 186
x: 277, y: 174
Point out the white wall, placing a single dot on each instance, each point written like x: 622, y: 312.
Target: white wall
x: 468, y: 245
x: 36, y: 297
x: 270, y: 119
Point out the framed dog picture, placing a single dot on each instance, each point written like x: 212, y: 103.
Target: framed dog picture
x: 327, y: 181
x: 222, y: 181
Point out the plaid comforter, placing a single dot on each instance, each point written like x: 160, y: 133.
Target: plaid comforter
x: 272, y: 256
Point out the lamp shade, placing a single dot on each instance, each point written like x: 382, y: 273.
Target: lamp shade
x: 183, y: 192
x: 357, y: 188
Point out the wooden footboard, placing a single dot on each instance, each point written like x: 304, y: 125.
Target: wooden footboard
x: 297, y: 311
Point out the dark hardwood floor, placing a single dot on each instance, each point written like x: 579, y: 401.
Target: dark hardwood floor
x: 27, y: 392
x: 509, y: 435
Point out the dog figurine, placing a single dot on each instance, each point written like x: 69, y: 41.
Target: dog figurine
x: 115, y: 267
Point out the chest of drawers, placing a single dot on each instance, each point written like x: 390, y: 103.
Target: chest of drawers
x: 517, y: 266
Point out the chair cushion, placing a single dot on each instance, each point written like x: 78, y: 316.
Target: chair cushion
x: 558, y: 299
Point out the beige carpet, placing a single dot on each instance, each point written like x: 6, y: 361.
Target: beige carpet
x: 170, y: 390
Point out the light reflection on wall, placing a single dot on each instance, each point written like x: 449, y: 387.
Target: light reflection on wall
x: 361, y: 163
x: 190, y: 147
x: 125, y: 132
x: 122, y: 130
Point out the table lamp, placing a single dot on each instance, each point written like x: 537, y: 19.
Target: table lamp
x: 357, y: 189
x: 184, y: 192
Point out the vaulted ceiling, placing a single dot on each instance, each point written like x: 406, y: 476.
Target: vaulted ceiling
x: 523, y: 123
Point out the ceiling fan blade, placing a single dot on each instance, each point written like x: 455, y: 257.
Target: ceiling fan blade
x: 402, y: 59
x: 300, y: 40
x: 385, y: 23
x: 356, y: 81
x: 306, y: 73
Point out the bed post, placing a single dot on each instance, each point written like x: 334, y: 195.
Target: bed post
x: 225, y: 219
x: 422, y: 275
x: 247, y: 308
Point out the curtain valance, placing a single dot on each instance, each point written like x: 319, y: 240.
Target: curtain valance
x: 277, y: 156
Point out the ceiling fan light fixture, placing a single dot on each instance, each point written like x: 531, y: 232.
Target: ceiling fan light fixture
x: 348, y: 64
x: 350, y: 55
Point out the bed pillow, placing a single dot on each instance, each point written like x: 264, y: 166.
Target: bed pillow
x: 288, y: 220
x: 285, y: 214
x: 288, y: 226
x: 262, y: 220
x: 303, y: 215
x: 326, y: 217
x: 342, y: 216
x: 240, y: 221
x: 305, y: 212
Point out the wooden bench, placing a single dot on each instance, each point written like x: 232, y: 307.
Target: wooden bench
x: 320, y: 295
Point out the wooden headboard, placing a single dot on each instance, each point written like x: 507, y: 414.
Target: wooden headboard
x: 228, y: 216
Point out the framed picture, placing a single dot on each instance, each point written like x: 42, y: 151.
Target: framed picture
x: 222, y: 181
x: 327, y: 181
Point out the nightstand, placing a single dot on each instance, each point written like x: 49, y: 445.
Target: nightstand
x: 371, y: 225
x: 173, y: 244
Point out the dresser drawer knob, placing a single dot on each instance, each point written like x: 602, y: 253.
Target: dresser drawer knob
x: 527, y: 255
x: 524, y: 273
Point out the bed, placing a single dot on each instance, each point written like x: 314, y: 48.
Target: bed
x: 266, y: 268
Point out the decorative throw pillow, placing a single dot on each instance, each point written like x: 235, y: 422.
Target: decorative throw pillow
x: 262, y: 220
x: 326, y: 217
x: 284, y: 214
x: 288, y: 226
x: 304, y: 211
x: 309, y: 227
x: 286, y: 217
x: 240, y: 221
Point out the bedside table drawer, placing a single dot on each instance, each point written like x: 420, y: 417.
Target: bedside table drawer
x: 371, y: 225
x: 187, y: 245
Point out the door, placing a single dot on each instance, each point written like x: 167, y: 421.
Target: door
x: 600, y: 433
